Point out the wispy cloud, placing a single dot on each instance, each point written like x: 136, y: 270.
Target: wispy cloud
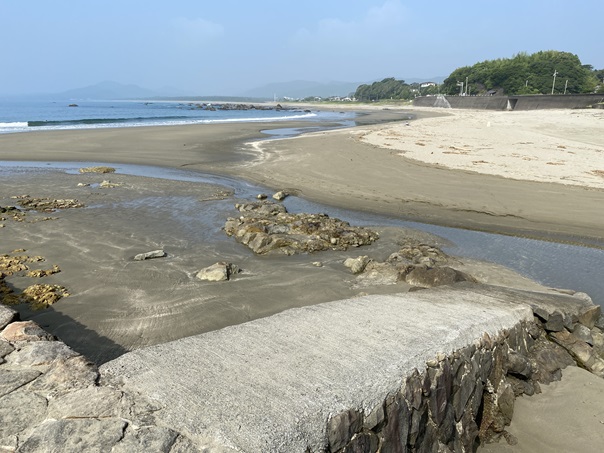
x: 377, y: 23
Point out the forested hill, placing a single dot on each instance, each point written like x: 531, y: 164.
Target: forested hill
x: 526, y: 74
x: 521, y: 74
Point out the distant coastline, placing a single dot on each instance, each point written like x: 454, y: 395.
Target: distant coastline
x: 28, y: 116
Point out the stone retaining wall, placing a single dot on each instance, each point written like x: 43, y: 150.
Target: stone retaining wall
x: 53, y: 399
x: 466, y: 399
x: 525, y: 102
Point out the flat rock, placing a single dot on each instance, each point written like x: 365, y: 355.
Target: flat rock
x: 7, y: 315
x: 578, y: 348
x: 378, y: 274
x: 217, y: 272
x: 48, y: 204
x: 13, y: 379
x: 281, y: 195
x: 88, y: 435
x: 150, y: 255
x: 23, y: 409
x: 584, y: 334
x: 147, y: 439
x: 25, y: 331
x: 5, y: 348
x: 548, y: 303
x: 67, y: 374
x: 430, y: 277
x: 590, y: 315
x: 39, y: 353
x: 90, y: 402
x: 357, y: 265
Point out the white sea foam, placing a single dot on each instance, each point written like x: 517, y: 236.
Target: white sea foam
x: 15, y: 124
x: 256, y: 120
x: 59, y: 122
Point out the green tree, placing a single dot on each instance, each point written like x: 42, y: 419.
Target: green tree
x: 388, y: 88
x: 526, y: 74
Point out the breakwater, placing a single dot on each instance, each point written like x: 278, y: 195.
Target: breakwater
x: 434, y: 369
x: 526, y: 102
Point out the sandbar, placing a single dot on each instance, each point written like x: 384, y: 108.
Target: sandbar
x: 369, y: 168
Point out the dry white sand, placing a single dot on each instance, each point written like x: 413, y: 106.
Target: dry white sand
x: 562, y: 146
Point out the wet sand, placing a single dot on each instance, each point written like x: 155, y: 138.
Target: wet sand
x: 340, y: 168
x: 118, y: 304
x: 129, y: 305
x: 344, y: 168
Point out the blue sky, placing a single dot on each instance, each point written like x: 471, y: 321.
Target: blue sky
x: 227, y: 46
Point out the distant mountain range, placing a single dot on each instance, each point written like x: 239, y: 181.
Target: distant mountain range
x: 105, y: 91
x: 304, y: 88
x: 108, y: 90
x: 296, y: 89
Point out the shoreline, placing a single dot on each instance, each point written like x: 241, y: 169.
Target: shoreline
x: 372, y: 178
x: 355, y: 173
x: 118, y: 305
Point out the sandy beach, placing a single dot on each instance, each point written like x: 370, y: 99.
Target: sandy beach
x: 381, y: 168
x: 535, y: 174
x: 559, y: 146
x: 372, y: 171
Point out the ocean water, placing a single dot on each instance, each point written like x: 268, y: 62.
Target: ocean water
x: 30, y: 115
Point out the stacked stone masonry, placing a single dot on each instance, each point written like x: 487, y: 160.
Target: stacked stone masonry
x: 524, y: 102
x: 51, y: 399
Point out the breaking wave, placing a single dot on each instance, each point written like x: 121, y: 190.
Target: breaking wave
x: 94, y: 123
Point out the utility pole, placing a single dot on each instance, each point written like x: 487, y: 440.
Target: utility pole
x: 466, y: 86
x: 554, y: 84
x: 565, y: 86
x: 460, y: 84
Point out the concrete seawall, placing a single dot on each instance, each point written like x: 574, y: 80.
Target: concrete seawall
x: 432, y: 370
x: 528, y: 102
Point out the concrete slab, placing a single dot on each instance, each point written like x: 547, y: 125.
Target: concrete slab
x: 272, y: 384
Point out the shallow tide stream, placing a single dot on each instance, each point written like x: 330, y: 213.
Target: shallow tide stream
x: 552, y: 264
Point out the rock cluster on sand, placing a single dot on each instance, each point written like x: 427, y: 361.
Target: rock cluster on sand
x: 105, y: 184
x: 580, y: 333
x: 16, y: 262
x: 419, y: 265
x: 47, y: 204
x: 38, y: 296
x: 267, y: 227
x: 99, y: 169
